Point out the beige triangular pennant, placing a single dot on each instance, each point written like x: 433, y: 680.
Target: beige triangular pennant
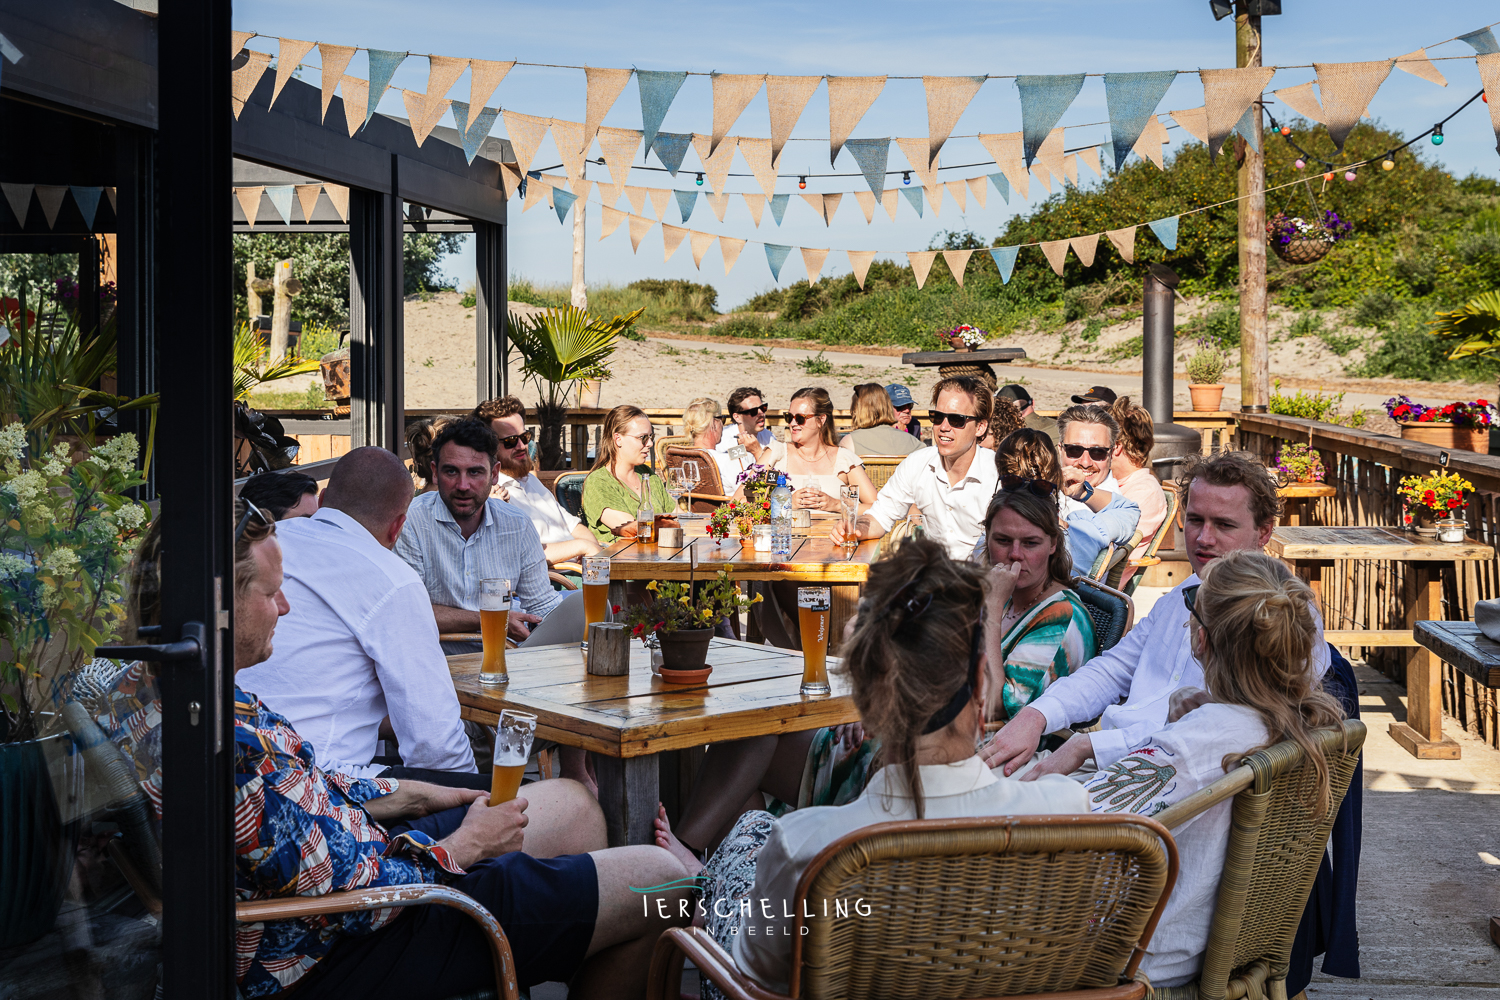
x: 671, y: 239
x: 243, y: 80
x: 639, y: 227
x: 957, y: 260
x: 718, y: 202
x: 1227, y: 94
x: 338, y: 196
x: 50, y: 196
x: 978, y: 187
x: 525, y: 132
x: 18, y: 196
x: 1194, y: 121
x: 1302, y: 100
x: 637, y: 196
x: 1124, y: 241
x: 249, y: 199
x: 609, y: 220
x: 815, y: 202
x: 1417, y: 64
x: 288, y: 58
x: 442, y: 73
x: 335, y: 60
x: 424, y: 112
x: 757, y: 153
x: 947, y: 97
x: 849, y: 97
x: 1008, y: 153
x: 510, y: 178
x: 109, y: 191
x: 1051, y: 154
x: 1489, y: 75
x: 1347, y: 90
x: 1043, y: 175
x: 569, y: 138
x: 660, y: 199
x: 830, y: 206
x: 604, y: 87
x: 1057, y: 254
x: 866, y: 201
x: 537, y: 189
x: 960, y: 193
x: 237, y: 40
x: 859, y: 263
x: 484, y: 76
x: 307, y: 197
x: 1085, y: 247
x: 787, y: 96
x: 813, y: 261
x: 716, y: 162
x: 1070, y: 168
x: 1090, y: 158
x: 356, y: 94
x: 915, y: 151
x: 921, y: 263
x: 732, y: 91
x: 581, y: 187
x: 700, y: 242
x: 934, y: 193
x: 618, y: 148
x: 729, y: 249
x: 888, y: 201
x: 1153, y: 138
x: 757, y: 204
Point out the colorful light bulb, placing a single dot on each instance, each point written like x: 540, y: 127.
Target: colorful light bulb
x: 1285, y: 130
x: 1350, y: 175
x: 1299, y: 164
x: 906, y: 177
x: 700, y: 180
x: 802, y: 183
x: 1388, y: 164
x: 1437, y: 134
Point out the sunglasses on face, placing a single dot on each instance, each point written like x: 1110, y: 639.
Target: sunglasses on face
x: 510, y: 441
x: 801, y: 418
x: 250, y: 511
x: 644, y: 439
x: 753, y: 411
x: 1190, y: 598
x: 958, y: 421
x: 1037, y: 487
x: 1075, y: 452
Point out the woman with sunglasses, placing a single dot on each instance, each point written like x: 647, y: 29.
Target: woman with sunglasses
x: 612, y: 491
x: 815, y: 466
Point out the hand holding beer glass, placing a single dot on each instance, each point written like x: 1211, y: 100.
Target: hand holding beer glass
x: 813, y: 606
x: 849, y: 515
x: 595, y: 593
x: 494, y: 622
x: 512, y: 749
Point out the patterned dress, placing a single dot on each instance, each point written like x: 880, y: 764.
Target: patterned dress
x: 1051, y: 641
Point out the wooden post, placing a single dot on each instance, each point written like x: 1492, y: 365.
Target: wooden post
x: 252, y: 293
x: 281, y: 309
x: 1255, y: 361
x: 580, y: 290
x: 629, y: 789
x: 1422, y: 733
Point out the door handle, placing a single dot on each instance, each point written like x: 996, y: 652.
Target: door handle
x: 190, y: 647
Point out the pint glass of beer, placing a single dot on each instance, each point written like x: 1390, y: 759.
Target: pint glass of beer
x: 512, y: 749
x: 813, y: 604
x: 595, y: 593
x: 494, y: 620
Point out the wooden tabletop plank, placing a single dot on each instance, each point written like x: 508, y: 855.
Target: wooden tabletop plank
x: 813, y: 559
x: 1301, y: 491
x: 1464, y: 646
x: 1323, y: 544
x: 993, y: 355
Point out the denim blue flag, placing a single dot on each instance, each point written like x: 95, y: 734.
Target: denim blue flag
x: 1166, y: 231
x: 778, y: 206
x: 1005, y: 260
x: 562, y: 200
x: 658, y: 88
x: 776, y: 256
x: 87, y: 200
x: 1002, y: 184
x: 914, y: 195
x: 685, y: 202
x: 670, y: 149
x: 281, y: 200
x: 1246, y: 127
x: 1044, y: 100
x: 1132, y: 99
x: 472, y: 138
x: 382, y: 67
x: 1483, y: 41
x: 871, y: 155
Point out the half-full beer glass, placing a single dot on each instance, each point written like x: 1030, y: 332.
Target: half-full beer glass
x: 494, y: 621
x: 512, y: 749
x: 813, y: 605
x: 595, y: 593
x: 849, y: 515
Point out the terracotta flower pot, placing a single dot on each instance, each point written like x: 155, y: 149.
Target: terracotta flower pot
x: 684, y: 653
x: 1424, y: 522
x: 1206, y: 398
x: 957, y: 343
x: 1448, y: 436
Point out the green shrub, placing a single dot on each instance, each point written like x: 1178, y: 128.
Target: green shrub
x: 1374, y: 308
x: 1220, y: 325
x: 1314, y: 406
x: 469, y: 300
x: 816, y: 365
x: 704, y: 297
x: 1306, y: 325
x: 1126, y: 349
x: 1340, y: 343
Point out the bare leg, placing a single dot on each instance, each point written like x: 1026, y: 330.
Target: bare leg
x: 575, y: 765
x: 783, y: 777
x: 562, y: 818
x: 731, y: 772
x: 628, y: 923
x: 668, y: 842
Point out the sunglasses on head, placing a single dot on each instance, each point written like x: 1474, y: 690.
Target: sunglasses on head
x: 750, y: 412
x: 250, y: 511
x: 1075, y: 451
x: 1190, y: 598
x: 958, y: 421
x: 1038, y: 487
x: 801, y: 418
x: 510, y: 440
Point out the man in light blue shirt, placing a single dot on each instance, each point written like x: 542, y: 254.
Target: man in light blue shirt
x: 1098, y: 514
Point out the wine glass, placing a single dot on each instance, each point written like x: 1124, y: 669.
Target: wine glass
x: 675, y: 488
x: 691, y: 477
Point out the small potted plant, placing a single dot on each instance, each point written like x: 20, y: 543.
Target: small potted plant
x: 1305, y: 241
x: 1432, y: 499
x: 741, y: 515
x: 758, y: 481
x: 682, y: 617
x: 1205, y: 372
x: 964, y: 337
x: 1298, y: 463
x: 1460, y: 425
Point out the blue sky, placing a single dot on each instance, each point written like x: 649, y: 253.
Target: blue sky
x: 960, y: 37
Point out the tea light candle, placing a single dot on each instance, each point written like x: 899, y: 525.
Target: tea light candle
x: 762, y: 538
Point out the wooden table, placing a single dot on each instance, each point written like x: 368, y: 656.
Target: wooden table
x: 1295, y: 497
x: 993, y: 356
x: 628, y: 721
x: 1311, y: 549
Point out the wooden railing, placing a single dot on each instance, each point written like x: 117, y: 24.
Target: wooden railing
x: 1366, y: 594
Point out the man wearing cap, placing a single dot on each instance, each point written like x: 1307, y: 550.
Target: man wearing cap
x: 1023, y: 402
x: 1102, y: 395
x: 902, y: 402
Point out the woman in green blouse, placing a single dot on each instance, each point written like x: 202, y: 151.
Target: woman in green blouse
x: 612, y: 491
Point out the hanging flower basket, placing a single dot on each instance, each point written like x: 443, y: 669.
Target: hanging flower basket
x: 1300, y: 241
x: 1302, y: 250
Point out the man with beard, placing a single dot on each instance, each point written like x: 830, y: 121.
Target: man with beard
x: 564, y: 538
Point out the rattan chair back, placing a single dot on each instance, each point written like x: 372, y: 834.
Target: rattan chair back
x: 708, y: 470
x: 569, y: 491
x: 669, y: 441
x: 1166, y: 523
x: 1112, y: 611
x: 880, y: 467
x: 980, y: 907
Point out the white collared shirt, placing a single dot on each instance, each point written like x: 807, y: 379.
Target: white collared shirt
x: 763, y: 947
x: 551, y: 519
x: 358, y: 644
x: 505, y: 546
x: 731, y: 438
x: 1154, y: 659
x: 952, y: 514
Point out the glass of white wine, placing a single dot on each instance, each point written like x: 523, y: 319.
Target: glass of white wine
x: 691, y: 477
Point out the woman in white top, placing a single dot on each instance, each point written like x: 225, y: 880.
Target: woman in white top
x: 1131, y: 469
x: 815, y: 466
x: 920, y: 679
x: 1253, y: 631
x: 701, y: 423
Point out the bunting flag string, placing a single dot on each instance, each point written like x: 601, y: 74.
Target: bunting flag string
x: 1347, y: 90
x: 248, y: 198
x: 921, y: 264
x: 947, y: 97
x: 288, y: 57
x: 776, y: 255
x: 732, y: 92
x: 1044, y: 100
x: 335, y: 60
x: 658, y: 88
x: 1132, y: 99
x: 859, y: 263
x: 849, y: 97
x: 604, y: 88
x: 957, y: 261
x: 729, y: 249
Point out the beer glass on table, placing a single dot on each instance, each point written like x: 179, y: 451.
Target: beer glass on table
x: 595, y: 593
x: 813, y: 607
x: 849, y: 513
x: 494, y: 622
x: 513, y: 738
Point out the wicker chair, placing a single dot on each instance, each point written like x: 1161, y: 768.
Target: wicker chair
x: 667, y: 441
x: 1274, y: 852
x: 880, y: 467
x: 569, y: 491
x: 709, y: 493
x: 1112, y: 611
x: 1134, y: 571
x: 993, y: 906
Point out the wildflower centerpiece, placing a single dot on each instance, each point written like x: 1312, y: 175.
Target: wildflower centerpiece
x: 758, y: 481
x: 964, y: 337
x: 1298, y: 463
x: 739, y: 516
x: 682, y: 617
x: 1305, y: 241
x: 1433, y: 498
x: 1460, y: 425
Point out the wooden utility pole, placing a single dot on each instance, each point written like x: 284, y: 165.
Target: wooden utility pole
x: 580, y: 290
x: 284, y: 286
x: 252, y: 292
x: 1255, y: 360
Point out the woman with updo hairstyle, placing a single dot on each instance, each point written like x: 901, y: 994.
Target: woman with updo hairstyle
x: 419, y: 438
x: 1254, y: 632
x: 916, y: 666
x: 1131, y: 467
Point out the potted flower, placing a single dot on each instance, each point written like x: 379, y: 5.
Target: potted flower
x: 741, y: 515
x: 758, y: 481
x: 682, y: 617
x: 1205, y: 372
x: 1305, y: 241
x: 1462, y: 426
x: 1298, y: 463
x: 1429, y: 498
x: 964, y: 337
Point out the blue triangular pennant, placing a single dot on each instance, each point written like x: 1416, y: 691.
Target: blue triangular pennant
x: 1005, y: 260
x: 382, y: 67
x: 1246, y: 127
x: 1166, y: 231
x: 685, y: 202
x: 871, y: 155
x: 1483, y: 41
x: 474, y: 138
x: 281, y: 199
x: 778, y: 206
x: 1132, y: 99
x: 776, y: 256
x: 914, y: 195
x: 562, y: 200
x: 1002, y: 184
x: 1044, y: 100
x: 87, y: 200
x: 658, y: 88
x: 670, y: 149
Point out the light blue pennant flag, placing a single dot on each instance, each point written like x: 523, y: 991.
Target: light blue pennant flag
x: 1002, y: 184
x: 658, y: 88
x: 473, y: 138
x: 871, y: 155
x: 1483, y: 41
x: 1246, y: 127
x: 1166, y: 231
x: 87, y: 200
x: 914, y: 195
x: 1005, y: 260
x: 776, y: 256
x: 281, y: 199
x: 383, y: 66
x: 1044, y: 100
x: 562, y: 200
x: 1132, y: 99
x: 778, y: 206
x: 685, y: 202
x: 670, y: 149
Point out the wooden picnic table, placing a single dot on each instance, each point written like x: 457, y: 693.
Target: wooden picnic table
x: 1310, y: 549
x: 1299, y: 499
x: 633, y: 723
x: 993, y: 355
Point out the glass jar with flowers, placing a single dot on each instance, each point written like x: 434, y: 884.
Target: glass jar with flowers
x: 1429, y: 498
x: 1205, y: 372
x: 1298, y: 463
x: 682, y: 617
x: 1461, y: 425
x: 964, y: 337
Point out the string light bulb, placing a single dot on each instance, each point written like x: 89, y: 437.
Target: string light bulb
x: 1437, y: 134
x: 700, y: 180
x: 1388, y: 164
x: 1285, y: 130
x: 1328, y: 176
x: 802, y: 183
x: 1299, y: 163
x: 906, y: 177
x: 1350, y: 175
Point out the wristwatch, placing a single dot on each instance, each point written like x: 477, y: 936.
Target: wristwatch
x: 1088, y: 491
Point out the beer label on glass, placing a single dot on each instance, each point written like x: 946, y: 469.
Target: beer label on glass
x: 814, y: 598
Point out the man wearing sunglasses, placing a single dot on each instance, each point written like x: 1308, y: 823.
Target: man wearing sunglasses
x: 1098, y: 514
x: 747, y: 413
x: 563, y: 536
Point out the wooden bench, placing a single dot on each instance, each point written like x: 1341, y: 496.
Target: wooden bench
x: 1369, y: 637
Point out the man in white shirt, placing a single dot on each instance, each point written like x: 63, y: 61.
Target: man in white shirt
x: 360, y: 643
x: 563, y: 536
x: 747, y: 408
x: 950, y: 483
x: 1098, y: 514
x: 1230, y: 504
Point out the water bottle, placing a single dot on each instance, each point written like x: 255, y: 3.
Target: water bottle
x: 645, y: 514
x: 781, y: 517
